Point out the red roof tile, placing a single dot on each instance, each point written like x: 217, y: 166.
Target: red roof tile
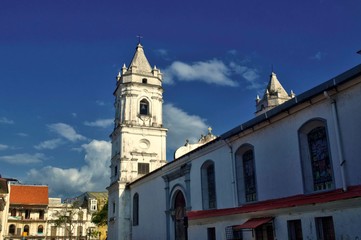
x: 288, y: 202
x: 29, y: 194
x: 253, y: 223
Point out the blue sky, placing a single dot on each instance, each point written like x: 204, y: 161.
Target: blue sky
x: 59, y: 59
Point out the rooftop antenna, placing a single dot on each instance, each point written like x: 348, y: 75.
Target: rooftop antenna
x: 272, y: 67
x: 139, y: 37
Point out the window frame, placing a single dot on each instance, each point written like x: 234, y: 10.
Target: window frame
x: 135, y: 209
x: 325, y: 228
x: 294, y: 228
x: 144, y: 107
x: 245, y: 182
x: 308, y: 172
x: 208, y: 184
x: 143, y: 168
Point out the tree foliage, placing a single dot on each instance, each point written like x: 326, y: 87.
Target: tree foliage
x: 100, y: 218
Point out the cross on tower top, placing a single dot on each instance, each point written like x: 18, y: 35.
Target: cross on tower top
x: 139, y: 37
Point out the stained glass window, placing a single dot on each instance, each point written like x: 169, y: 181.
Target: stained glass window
x: 211, y: 186
x: 249, y: 176
x: 320, y: 160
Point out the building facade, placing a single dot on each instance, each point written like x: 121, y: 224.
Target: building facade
x: 27, y: 212
x: 138, y: 138
x: 292, y: 172
x: 70, y: 220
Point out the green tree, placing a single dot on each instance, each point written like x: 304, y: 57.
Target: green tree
x: 100, y: 218
x: 66, y: 218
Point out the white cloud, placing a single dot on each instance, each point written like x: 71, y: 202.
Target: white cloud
x: 249, y: 74
x: 49, y: 144
x: 163, y: 53
x: 212, y: 71
x: 5, y: 120
x: 23, y: 158
x: 22, y: 134
x: 317, y: 56
x: 66, y: 131
x: 182, y: 126
x: 3, y: 147
x: 104, y: 123
x: 100, y: 103
x: 93, y: 176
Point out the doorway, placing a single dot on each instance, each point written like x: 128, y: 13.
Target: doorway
x: 180, y: 218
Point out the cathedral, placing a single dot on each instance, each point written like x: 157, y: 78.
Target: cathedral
x: 291, y: 172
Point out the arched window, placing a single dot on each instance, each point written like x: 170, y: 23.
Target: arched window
x: 136, y: 209
x: 315, y: 156
x: 144, y: 80
x: 40, y: 229
x: 246, y: 174
x: 144, y: 107
x: 26, y: 230
x: 208, y: 185
x: 12, y: 229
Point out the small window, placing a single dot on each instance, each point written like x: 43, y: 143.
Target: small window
x: 26, y: 230
x: 41, y: 214
x: 233, y: 234
x: 324, y: 228
x: 113, y: 207
x: 136, y: 209
x: 294, y: 230
x: 144, y: 107
x: 143, y: 168
x: 12, y: 229
x: 144, y: 80
x: 265, y: 231
x: 211, y: 233
x: 27, y: 214
x: 13, y: 212
x: 115, y: 171
x: 40, y: 229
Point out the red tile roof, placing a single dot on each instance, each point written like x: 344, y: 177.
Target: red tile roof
x: 29, y: 194
x: 253, y: 223
x: 288, y: 202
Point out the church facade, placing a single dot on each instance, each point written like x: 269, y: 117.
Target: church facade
x: 292, y: 172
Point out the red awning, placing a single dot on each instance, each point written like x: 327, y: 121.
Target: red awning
x: 253, y: 223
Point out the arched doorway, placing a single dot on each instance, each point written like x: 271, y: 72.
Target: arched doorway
x: 180, y: 219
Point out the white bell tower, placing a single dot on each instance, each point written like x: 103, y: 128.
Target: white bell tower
x: 138, y: 138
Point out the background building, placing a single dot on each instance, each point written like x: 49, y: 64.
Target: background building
x: 27, y: 212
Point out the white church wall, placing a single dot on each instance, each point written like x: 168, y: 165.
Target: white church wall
x: 348, y: 106
x: 223, y: 174
x: 152, y: 218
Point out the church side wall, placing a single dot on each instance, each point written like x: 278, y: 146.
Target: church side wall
x: 152, y: 218
x: 348, y: 106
